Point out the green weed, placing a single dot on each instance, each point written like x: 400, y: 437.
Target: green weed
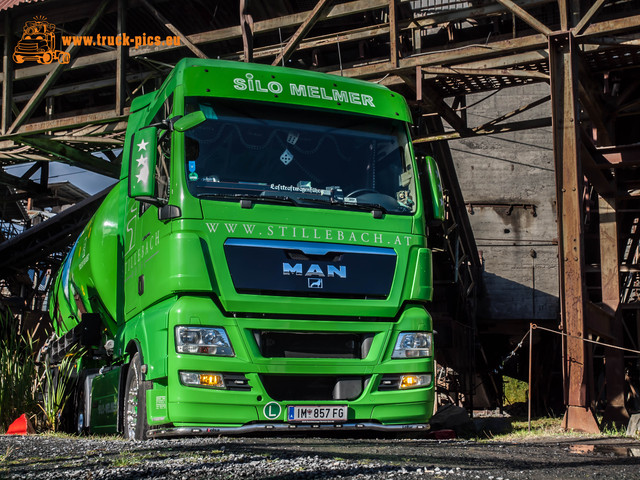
x: 18, y: 372
x: 57, y: 387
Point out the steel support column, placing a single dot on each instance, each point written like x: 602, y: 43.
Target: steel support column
x: 121, y: 60
x: 563, y: 68
x: 7, y: 68
x: 246, y: 25
x: 616, y: 412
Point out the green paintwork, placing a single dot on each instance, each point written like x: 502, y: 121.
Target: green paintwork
x: 437, y: 198
x: 189, y: 121
x: 142, y: 167
x: 104, y: 405
x: 145, y: 276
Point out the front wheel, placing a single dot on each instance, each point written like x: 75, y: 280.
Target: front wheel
x: 135, y: 402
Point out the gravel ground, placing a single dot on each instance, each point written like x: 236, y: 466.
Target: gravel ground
x: 563, y: 457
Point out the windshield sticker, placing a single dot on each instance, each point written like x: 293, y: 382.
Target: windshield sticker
x: 286, y: 157
x: 292, y: 137
x: 301, y: 189
x: 192, y: 166
x: 193, y: 176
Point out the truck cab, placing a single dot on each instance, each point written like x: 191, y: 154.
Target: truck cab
x: 262, y: 262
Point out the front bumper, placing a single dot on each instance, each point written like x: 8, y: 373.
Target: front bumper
x: 176, y: 409
x: 284, y: 427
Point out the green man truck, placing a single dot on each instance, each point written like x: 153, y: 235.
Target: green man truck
x: 261, y: 264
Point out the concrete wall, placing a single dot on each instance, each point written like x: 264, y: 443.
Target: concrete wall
x: 519, y: 247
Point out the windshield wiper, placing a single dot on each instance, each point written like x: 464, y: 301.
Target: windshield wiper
x: 375, y: 208
x: 251, y: 197
x: 247, y: 199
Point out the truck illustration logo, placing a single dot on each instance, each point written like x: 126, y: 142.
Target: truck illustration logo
x: 38, y: 43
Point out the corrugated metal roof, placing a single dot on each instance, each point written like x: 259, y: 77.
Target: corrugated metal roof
x: 7, y: 4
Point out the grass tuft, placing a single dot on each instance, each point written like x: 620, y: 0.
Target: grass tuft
x: 18, y: 372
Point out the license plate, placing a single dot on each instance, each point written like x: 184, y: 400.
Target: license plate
x: 317, y: 413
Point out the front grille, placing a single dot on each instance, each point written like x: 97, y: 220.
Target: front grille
x: 279, y: 344
x: 314, y: 387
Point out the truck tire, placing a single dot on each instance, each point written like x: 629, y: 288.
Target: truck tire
x: 135, y: 402
x: 64, y: 58
x: 46, y: 58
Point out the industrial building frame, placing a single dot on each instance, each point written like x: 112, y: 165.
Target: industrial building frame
x: 431, y: 51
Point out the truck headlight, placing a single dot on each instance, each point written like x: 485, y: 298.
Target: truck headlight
x: 413, y: 345
x: 203, y: 341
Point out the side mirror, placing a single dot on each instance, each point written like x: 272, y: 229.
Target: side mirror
x: 191, y: 120
x: 435, y: 184
x: 142, y: 163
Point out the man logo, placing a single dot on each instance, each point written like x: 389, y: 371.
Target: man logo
x: 315, y: 283
x: 314, y: 270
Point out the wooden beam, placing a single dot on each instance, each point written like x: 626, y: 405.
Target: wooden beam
x: 584, y: 21
x: 486, y: 10
x: 563, y: 50
x: 246, y: 26
x: 610, y: 27
x: 428, y: 96
x: 594, y: 174
x: 211, y: 36
x: 489, y: 72
x: 514, y: 113
x: 591, y: 98
x: 71, y: 155
x: 84, y: 86
x: 319, y: 41
x: 55, y: 73
x: 303, y: 29
x: 526, y: 17
x: 7, y: 68
x: 563, y: 7
x: 68, y: 123
x: 169, y: 26
x: 393, y: 32
x: 468, y: 53
x: 600, y: 319
x: 489, y: 130
x: 102, y: 141
x: 615, y: 411
x: 32, y: 169
x: 21, y: 183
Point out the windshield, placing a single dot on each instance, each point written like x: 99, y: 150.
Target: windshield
x: 271, y: 153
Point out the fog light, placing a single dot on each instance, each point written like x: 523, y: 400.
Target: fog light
x: 196, y: 379
x: 414, y: 381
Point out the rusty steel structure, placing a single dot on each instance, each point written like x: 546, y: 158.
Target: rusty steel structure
x: 435, y: 52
